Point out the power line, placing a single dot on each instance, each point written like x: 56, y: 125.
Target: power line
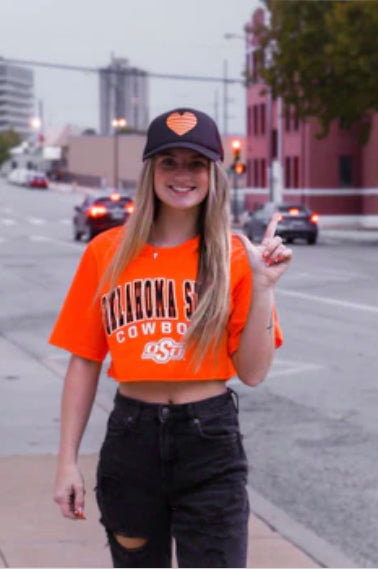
x: 131, y: 71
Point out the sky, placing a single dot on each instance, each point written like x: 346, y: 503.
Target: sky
x: 159, y: 36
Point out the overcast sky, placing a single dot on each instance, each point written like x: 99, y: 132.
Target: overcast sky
x: 160, y: 36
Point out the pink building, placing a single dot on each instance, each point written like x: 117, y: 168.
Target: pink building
x: 287, y: 162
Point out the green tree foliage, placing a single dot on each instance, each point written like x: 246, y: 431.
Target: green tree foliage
x: 8, y: 139
x: 324, y: 59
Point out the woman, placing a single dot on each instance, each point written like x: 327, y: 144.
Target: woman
x: 182, y: 305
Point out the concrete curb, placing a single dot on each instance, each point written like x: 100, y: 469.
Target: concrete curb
x: 323, y: 553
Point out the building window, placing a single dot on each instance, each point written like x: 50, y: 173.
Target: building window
x: 274, y: 143
x: 255, y: 173
x: 263, y: 172
x: 346, y: 171
x: 262, y: 118
x: 287, y: 119
x: 249, y: 172
x: 255, y: 120
x: 295, y: 172
x: 292, y: 172
x: 249, y: 120
x: 291, y: 119
x: 287, y: 172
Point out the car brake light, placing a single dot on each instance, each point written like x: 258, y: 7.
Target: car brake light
x: 294, y: 211
x: 129, y: 207
x: 97, y: 211
x: 115, y: 197
x: 314, y: 218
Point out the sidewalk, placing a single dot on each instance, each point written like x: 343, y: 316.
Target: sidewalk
x: 33, y: 534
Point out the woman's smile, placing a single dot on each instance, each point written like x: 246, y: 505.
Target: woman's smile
x: 182, y: 190
x: 181, y: 178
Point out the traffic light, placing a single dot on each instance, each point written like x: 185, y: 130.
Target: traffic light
x: 237, y: 167
x: 236, y: 147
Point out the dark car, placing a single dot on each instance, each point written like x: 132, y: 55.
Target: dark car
x: 100, y: 212
x: 296, y: 221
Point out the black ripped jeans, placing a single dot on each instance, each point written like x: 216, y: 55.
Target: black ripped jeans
x: 175, y: 471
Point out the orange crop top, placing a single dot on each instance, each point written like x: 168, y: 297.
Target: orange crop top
x: 142, y: 320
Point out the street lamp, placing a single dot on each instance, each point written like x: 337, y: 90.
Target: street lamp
x: 117, y: 124
x: 35, y: 123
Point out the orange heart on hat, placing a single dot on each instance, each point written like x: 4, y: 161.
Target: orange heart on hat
x: 181, y: 124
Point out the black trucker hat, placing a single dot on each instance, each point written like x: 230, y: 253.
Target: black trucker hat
x: 184, y: 128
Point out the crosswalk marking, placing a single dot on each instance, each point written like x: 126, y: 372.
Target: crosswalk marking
x: 35, y: 220
x: 8, y: 221
x: 44, y: 239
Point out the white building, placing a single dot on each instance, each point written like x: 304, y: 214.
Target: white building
x: 16, y: 98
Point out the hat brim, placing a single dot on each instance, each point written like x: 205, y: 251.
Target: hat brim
x: 210, y: 154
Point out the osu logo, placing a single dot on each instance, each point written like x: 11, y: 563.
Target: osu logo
x: 163, y: 351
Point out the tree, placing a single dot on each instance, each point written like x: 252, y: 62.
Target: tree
x: 8, y: 139
x: 323, y: 59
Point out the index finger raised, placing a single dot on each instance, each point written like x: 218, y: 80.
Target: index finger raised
x: 272, y: 226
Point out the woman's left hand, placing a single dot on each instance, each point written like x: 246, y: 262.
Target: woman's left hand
x: 271, y: 258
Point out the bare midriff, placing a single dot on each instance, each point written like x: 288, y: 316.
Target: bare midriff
x: 176, y: 393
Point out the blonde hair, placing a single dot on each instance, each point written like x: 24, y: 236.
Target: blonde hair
x: 211, y: 314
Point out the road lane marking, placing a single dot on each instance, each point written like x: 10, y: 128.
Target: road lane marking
x: 35, y: 220
x: 285, y: 367
x: 323, y: 275
x: 327, y: 300
x: 38, y: 238
x: 294, y: 368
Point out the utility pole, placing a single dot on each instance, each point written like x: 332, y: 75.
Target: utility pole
x: 269, y: 137
x: 225, y: 98
x: 216, y: 107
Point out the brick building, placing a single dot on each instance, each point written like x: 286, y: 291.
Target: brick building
x: 286, y: 161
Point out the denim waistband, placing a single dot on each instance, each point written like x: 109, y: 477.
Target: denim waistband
x: 203, y: 407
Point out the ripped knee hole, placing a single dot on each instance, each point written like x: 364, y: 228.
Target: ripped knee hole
x: 130, y: 543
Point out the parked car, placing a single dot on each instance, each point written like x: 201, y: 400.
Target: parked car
x: 18, y: 176
x: 100, y: 212
x: 28, y: 178
x: 37, y: 180
x: 296, y: 221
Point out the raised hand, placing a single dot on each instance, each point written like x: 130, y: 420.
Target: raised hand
x: 270, y: 259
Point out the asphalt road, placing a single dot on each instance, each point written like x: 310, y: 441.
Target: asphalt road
x: 310, y: 429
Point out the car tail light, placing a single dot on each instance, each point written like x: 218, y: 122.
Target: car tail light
x: 294, y: 211
x: 97, y: 211
x: 314, y: 218
x: 115, y: 197
x: 279, y: 217
x: 129, y: 207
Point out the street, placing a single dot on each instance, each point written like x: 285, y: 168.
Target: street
x: 310, y: 429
